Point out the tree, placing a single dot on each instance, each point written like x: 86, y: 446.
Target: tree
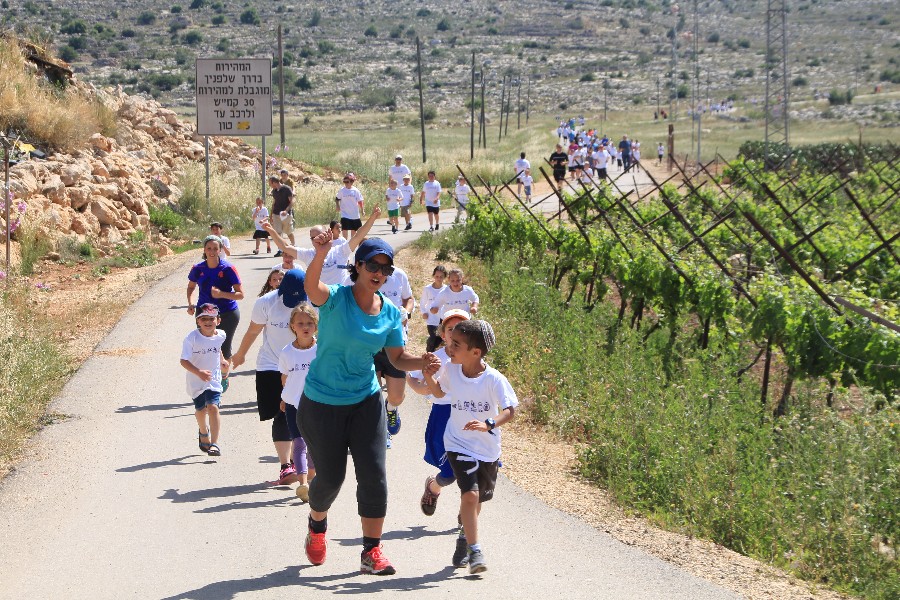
x: 192, y: 38
x: 250, y: 17
x: 443, y: 25
x: 73, y: 27
x: 303, y: 83
x: 146, y: 18
x: 198, y: 4
x: 68, y: 54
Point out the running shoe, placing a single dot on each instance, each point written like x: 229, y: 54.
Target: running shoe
x: 429, y: 499
x: 408, y: 227
x: 477, y: 564
x: 315, y: 546
x: 375, y: 563
x: 288, y: 474
x: 279, y: 253
x: 302, y: 492
x: 461, y: 554
x: 430, y: 229
x: 438, y: 226
x: 393, y: 229
x: 393, y: 421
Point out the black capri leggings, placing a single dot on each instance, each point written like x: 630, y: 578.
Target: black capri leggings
x: 329, y: 430
x: 229, y: 324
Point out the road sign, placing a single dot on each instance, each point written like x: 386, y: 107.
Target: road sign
x: 234, y: 97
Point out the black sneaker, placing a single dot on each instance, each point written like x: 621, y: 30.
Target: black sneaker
x: 393, y: 229
x: 279, y: 253
x: 408, y: 227
x: 461, y: 554
x: 388, y: 221
x: 438, y: 226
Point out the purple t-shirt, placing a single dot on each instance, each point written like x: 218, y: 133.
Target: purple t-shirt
x: 224, y: 276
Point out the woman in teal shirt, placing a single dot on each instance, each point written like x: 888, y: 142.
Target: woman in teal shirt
x: 342, y: 408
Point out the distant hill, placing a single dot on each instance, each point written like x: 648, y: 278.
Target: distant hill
x: 362, y: 55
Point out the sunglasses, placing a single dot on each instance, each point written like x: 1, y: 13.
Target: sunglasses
x: 374, y: 267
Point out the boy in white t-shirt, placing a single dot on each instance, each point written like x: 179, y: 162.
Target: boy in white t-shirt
x: 430, y: 196
x: 201, y: 356
x: 528, y: 182
x: 293, y: 363
x: 481, y: 400
x: 393, y: 197
x: 349, y: 202
x: 406, y: 203
x: 261, y: 215
x: 215, y: 228
x: 461, y: 194
x: 520, y: 166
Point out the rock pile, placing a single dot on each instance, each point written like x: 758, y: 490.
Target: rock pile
x: 102, y: 192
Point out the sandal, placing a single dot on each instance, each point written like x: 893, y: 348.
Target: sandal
x: 204, y: 447
x: 225, y: 384
x: 214, y: 450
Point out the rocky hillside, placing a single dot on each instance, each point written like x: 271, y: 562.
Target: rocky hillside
x: 102, y: 192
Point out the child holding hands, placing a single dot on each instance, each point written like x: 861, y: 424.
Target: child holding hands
x: 201, y: 356
x: 481, y: 400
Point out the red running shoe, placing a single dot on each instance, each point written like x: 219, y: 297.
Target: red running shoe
x: 315, y: 547
x: 375, y: 563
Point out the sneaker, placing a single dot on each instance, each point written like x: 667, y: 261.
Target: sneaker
x: 279, y: 253
x: 288, y: 474
x: 438, y: 226
x: 375, y: 563
x: 477, y: 563
x: 302, y: 492
x: 408, y: 227
x: 393, y: 229
x: 461, y: 554
x: 316, y: 547
x: 390, y: 442
x: 388, y: 221
x: 429, y: 499
x: 393, y: 421
x: 430, y: 229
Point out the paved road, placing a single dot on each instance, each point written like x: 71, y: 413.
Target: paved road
x: 118, y: 503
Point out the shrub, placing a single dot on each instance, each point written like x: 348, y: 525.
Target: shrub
x: 430, y: 113
x: 165, y: 219
x: 799, y: 82
x: 146, y: 18
x: 314, y: 19
x: 192, y: 38
x: 382, y: 96
x: 423, y: 12
x: 175, y: 9
x: 838, y: 98
x: 742, y: 43
x: 68, y: 53
x: 370, y: 31
x: 128, y: 33
x: 712, y: 38
x: 250, y: 17
x: 198, y: 4
x: 588, y: 77
x: 443, y: 25
x: 73, y: 27
x: 303, y: 83
x: 218, y: 20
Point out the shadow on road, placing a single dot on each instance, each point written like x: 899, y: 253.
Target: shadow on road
x: 175, y: 462
x: 347, y: 583
x: 152, y: 407
x: 413, y: 533
x: 177, y: 497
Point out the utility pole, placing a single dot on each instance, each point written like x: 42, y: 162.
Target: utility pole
x: 657, y: 96
x: 483, y: 121
x: 508, y: 107
x: 528, y: 101
x: 695, y: 75
x: 776, y: 78
x: 673, y: 97
x: 421, y: 97
x: 605, y: 99
x: 280, y: 85
x: 472, y: 114
x: 502, y: 99
x: 519, y: 104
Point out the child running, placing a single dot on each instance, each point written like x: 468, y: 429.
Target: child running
x: 456, y: 295
x: 293, y: 362
x: 406, y: 204
x: 260, y: 214
x: 432, y: 319
x: 273, y: 280
x: 393, y: 197
x: 437, y: 424
x: 481, y: 400
x: 461, y: 194
x: 201, y: 356
x: 527, y: 181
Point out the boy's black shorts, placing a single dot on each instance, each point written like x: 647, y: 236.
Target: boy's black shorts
x: 474, y: 475
x: 384, y: 366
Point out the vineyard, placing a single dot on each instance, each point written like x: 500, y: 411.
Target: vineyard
x: 772, y: 292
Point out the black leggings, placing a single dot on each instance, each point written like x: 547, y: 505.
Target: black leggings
x: 330, y: 430
x: 434, y: 340
x: 229, y: 324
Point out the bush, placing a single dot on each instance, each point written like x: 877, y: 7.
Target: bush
x: 198, y: 4
x: 146, y: 18
x: 192, y: 38
x: 712, y: 38
x: 588, y: 77
x: 68, y: 53
x: 838, y: 98
x: 799, y: 82
x: 175, y: 9
x: 73, y: 27
x: 303, y: 83
x: 743, y: 43
x: 423, y: 12
x: 314, y: 19
x: 250, y: 17
x: 128, y: 33
x: 218, y: 20
x: 165, y: 219
x: 370, y: 31
x: 382, y: 96
x: 430, y: 113
x: 443, y: 25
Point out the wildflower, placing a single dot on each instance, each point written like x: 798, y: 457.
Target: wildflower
x: 278, y: 148
x: 2, y: 275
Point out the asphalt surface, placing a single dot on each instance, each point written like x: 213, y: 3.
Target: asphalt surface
x: 118, y: 502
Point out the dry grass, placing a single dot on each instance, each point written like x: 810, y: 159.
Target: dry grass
x: 58, y: 117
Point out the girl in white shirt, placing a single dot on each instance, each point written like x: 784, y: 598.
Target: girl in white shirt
x: 456, y: 295
x: 293, y: 363
x: 432, y: 320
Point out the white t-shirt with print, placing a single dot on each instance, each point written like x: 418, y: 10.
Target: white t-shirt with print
x: 350, y: 198
x: 261, y: 215
x: 448, y: 299
x: 294, y: 362
x: 425, y: 302
x: 334, y: 271
x: 527, y: 181
x: 475, y: 398
x: 407, y: 190
x: 432, y: 191
x: 393, y: 197
x: 462, y: 193
x: 397, y: 173
x: 205, y: 353
x: 270, y: 311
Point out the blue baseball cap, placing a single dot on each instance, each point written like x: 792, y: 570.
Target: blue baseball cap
x: 371, y: 248
x: 291, y: 289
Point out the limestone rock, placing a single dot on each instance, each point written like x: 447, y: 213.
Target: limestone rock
x: 104, y: 211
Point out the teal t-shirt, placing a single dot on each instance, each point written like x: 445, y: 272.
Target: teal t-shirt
x: 343, y: 371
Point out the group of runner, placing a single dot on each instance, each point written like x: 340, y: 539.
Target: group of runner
x: 330, y: 333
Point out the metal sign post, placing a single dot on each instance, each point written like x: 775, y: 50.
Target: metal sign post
x: 206, y: 148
